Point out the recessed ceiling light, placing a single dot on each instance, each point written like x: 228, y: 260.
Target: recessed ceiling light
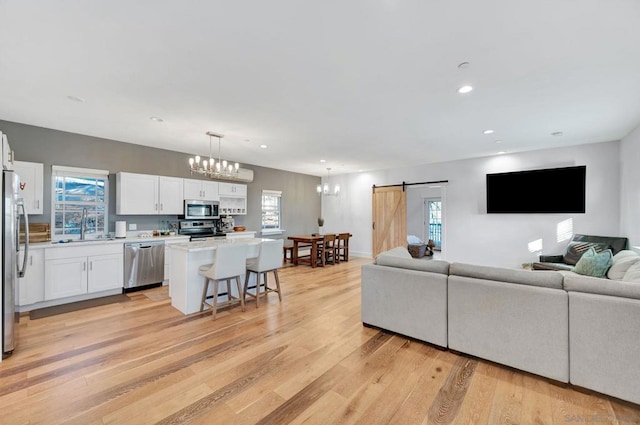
x: 360, y: 171
x: 557, y: 133
x: 156, y: 119
x: 323, y: 160
x: 76, y: 98
x: 502, y: 152
x: 263, y: 146
x: 487, y: 132
x: 465, y: 89
x: 498, y: 141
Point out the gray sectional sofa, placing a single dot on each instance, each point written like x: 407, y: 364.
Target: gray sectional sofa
x: 567, y: 327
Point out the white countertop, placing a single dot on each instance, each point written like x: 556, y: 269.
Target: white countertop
x: 41, y: 245
x: 211, y: 244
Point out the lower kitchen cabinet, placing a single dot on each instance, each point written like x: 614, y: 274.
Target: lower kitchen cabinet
x: 31, y: 286
x: 78, y: 270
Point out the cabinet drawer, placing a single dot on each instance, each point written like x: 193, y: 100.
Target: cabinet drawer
x: 82, y: 249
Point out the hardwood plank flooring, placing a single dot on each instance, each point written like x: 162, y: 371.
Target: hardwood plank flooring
x: 305, y: 360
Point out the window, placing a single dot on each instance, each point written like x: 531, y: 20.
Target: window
x: 74, y: 190
x: 271, y: 212
x: 434, y: 217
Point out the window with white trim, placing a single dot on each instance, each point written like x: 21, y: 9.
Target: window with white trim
x: 73, y: 191
x: 271, y: 211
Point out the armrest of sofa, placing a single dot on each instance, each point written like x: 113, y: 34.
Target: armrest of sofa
x: 551, y: 258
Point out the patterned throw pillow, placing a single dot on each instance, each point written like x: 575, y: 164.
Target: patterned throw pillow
x: 593, y: 263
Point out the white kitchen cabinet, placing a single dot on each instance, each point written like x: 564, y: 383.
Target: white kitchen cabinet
x: 65, y: 277
x: 232, y: 189
x: 78, y: 270
x: 146, y: 194
x: 31, y: 176
x: 233, y: 198
x: 105, y: 272
x: 31, y: 286
x: 201, y: 190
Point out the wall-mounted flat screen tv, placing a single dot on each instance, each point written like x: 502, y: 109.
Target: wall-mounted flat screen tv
x: 544, y: 191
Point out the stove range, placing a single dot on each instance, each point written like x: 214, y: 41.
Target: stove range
x: 199, y: 229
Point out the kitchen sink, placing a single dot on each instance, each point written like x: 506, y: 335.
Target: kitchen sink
x: 84, y: 240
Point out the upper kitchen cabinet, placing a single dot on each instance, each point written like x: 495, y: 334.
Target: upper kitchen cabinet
x: 233, y: 198
x: 232, y: 189
x: 201, y: 190
x: 31, y: 184
x: 145, y: 194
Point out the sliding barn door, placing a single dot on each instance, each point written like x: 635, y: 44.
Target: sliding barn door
x: 389, y: 218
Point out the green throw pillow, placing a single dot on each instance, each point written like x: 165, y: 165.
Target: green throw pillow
x: 594, y: 263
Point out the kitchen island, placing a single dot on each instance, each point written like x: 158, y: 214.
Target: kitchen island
x: 185, y: 283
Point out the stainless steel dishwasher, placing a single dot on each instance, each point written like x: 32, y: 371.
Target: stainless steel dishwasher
x: 143, y: 264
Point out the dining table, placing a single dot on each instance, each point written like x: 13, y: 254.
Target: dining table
x: 305, y: 240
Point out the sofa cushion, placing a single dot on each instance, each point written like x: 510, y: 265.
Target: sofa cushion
x: 633, y: 274
x: 621, y: 263
x: 544, y: 278
x: 595, y: 285
x: 575, y: 250
x: 594, y: 263
x: 399, y: 252
x: 433, y: 266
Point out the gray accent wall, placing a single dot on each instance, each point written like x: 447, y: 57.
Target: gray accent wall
x: 300, y: 202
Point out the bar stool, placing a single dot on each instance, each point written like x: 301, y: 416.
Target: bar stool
x: 269, y: 260
x: 229, y: 263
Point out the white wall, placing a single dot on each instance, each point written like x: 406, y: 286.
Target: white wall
x: 470, y: 234
x: 630, y: 188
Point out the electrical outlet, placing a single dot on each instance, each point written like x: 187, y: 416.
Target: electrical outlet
x: 133, y: 226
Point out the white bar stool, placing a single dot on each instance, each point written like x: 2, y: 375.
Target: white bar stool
x: 229, y: 262
x: 269, y: 260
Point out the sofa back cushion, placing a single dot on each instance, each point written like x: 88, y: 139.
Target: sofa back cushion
x: 400, y: 258
x: 575, y: 250
x: 574, y: 282
x: 616, y: 243
x: 544, y: 278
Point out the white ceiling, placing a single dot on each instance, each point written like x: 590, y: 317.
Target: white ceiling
x: 363, y: 84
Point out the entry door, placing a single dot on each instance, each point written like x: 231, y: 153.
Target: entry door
x: 389, y: 218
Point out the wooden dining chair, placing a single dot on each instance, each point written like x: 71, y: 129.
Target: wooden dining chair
x: 342, y: 250
x: 327, y: 249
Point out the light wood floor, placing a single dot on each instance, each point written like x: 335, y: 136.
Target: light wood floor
x: 305, y: 360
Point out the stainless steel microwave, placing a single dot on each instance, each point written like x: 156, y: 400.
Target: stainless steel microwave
x: 197, y: 209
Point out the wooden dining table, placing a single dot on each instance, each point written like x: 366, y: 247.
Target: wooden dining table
x: 305, y: 240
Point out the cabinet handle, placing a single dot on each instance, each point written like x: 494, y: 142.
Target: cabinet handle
x: 37, y: 203
x: 84, y: 266
x: 90, y: 265
x: 161, y: 207
x: 156, y: 207
x: 31, y: 260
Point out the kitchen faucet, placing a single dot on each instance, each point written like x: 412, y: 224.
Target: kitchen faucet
x: 83, y: 223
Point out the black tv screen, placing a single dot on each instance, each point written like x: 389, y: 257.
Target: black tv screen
x: 545, y: 191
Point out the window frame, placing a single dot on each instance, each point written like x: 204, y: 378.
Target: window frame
x: 80, y: 173
x: 270, y: 230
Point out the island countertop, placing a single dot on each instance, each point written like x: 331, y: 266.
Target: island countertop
x: 185, y: 281
x: 212, y: 244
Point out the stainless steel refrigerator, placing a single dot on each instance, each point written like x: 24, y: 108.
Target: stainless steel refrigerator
x: 13, y: 213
